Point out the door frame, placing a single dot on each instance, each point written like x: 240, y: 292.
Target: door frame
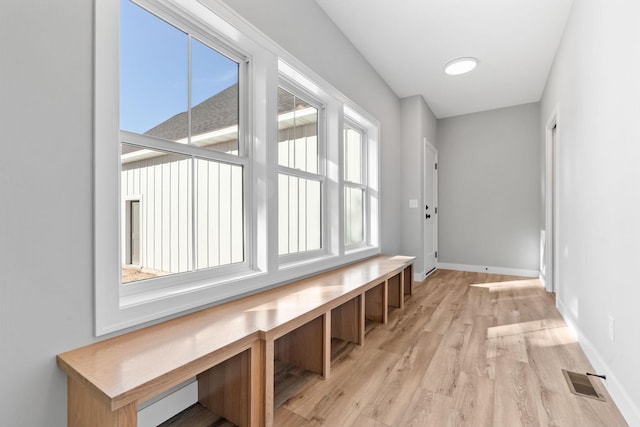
x: 551, y: 264
x: 427, y: 145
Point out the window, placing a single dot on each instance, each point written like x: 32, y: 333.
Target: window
x: 299, y: 178
x: 218, y: 163
x: 180, y: 138
x: 354, y: 168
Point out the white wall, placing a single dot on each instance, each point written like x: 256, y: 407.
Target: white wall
x: 488, y: 185
x: 418, y: 122
x: 595, y: 85
x: 46, y: 188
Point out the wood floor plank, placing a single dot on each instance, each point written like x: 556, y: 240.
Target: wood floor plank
x: 475, y: 360
x: 397, y: 390
x: 343, y: 402
x: 363, y: 421
x: 407, y: 329
x: 442, y: 375
x: 286, y: 418
x: 514, y: 404
x: 428, y: 409
x: 469, y: 349
x: 447, y: 309
x: 473, y: 401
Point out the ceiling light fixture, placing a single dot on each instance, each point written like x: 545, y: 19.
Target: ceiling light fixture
x: 460, y: 66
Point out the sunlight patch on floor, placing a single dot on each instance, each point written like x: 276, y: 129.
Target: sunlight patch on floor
x: 524, y: 327
x: 510, y: 286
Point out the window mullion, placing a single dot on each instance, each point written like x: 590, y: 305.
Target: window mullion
x: 355, y: 185
x: 189, y: 87
x: 300, y: 173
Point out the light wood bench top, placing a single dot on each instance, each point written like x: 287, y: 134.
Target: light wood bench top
x: 134, y: 366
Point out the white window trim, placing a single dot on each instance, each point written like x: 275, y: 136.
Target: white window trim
x: 357, y: 118
x: 364, y: 150
x: 305, y: 93
x: 117, y: 311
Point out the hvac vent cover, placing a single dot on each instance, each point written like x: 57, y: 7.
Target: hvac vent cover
x: 581, y: 385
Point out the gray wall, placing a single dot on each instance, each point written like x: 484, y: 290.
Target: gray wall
x: 595, y: 87
x: 46, y: 245
x: 46, y: 219
x: 418, y: 122
x: 322, y: 47
x: 488, y: 186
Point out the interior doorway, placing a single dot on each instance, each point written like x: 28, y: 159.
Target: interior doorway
x: 133, y: 232
x: 430, y: 216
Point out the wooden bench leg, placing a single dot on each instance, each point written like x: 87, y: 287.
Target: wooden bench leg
x: 226, y: 388
x: 268, y: 373
x: 407, y: 279
x: 85, y: 408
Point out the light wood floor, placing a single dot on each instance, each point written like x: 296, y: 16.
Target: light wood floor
x: 468, y: 349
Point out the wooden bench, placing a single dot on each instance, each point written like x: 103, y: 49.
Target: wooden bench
x: 231, y: 348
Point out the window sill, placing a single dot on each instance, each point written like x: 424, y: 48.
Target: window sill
x: 302, y: 262
x: 359, y: 249
x: 149, y: 296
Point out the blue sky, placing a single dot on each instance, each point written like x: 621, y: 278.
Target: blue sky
x: 154, y: 70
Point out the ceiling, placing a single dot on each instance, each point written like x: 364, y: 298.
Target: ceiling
x: 408, y: 42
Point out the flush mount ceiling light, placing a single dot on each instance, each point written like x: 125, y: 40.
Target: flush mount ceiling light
x: 460, y: 66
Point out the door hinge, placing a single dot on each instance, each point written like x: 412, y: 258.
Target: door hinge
x: 435, y: 165
x: 436, y: 254
x: 436, y: 210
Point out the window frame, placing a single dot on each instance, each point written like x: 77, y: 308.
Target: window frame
x: 363, y: 185
x: 298, y: 90
x: 357, y: 118
x: 193, y: 152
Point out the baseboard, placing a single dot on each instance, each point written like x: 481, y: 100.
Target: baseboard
x: 168, y: 404
x: 624, y: 402
x: 488, y: 269
x: 419, y: 276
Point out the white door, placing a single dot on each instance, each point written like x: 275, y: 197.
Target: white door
x: 430, y: 213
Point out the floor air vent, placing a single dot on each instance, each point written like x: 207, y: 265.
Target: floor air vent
x: 581, y: 385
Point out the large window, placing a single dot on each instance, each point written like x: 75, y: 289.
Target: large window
x: 299, y: 178
x: 221, y: 163
x: 181, y: 151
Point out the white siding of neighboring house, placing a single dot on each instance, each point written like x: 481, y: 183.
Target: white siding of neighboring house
x: 163, y: 186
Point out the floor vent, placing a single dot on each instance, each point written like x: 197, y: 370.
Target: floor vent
x: 581, y: 385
